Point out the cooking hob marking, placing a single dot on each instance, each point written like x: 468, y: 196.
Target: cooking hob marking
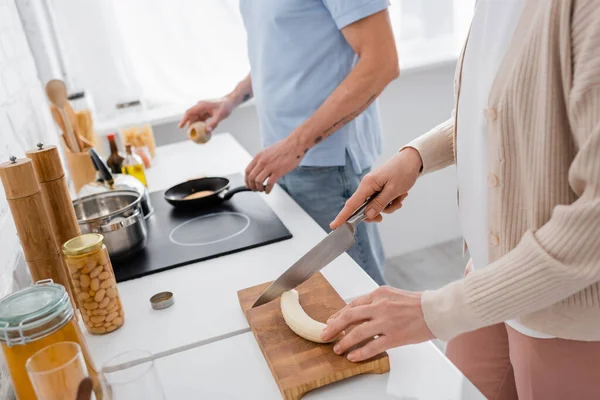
x: 214, y: 241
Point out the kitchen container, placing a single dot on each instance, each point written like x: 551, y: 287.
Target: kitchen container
x: 56, y: 371
x: 83, y: 108
x: 94, y: 282
x: 32, y: 319
x: 80, y: 166
x: 118, y: 216
x: 137, y: 129
x: 107, y: 181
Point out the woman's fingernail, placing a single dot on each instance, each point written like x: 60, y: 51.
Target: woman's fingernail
x: 352, y: 357
x: 336, y: 349
x: 324, y: 333
x: 371, y: 213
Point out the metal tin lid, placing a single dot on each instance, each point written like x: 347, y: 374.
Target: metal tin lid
x: 162, y: 300
x: 34, y: 312
x: 83, y: 244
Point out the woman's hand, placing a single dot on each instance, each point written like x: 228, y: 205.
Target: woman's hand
x: 391, y: 315
x: 393, y: 180
x: 211, y: 112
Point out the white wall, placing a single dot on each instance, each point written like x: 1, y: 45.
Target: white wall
x: 410, y: 106
x: 24, y: 120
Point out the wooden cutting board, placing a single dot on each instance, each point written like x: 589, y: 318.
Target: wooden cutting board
x: 299, y: 365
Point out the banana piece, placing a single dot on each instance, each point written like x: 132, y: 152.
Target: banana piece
x: 298, y: 320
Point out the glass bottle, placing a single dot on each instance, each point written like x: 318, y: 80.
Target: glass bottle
x: 134, y: 166
x: 115, y: 160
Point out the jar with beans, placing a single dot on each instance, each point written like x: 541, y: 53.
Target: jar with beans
x: 94, y: 283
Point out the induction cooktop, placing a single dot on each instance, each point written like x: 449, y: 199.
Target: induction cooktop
x: 180, y: 237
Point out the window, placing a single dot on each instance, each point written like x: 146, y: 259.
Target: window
x: 173, y: 53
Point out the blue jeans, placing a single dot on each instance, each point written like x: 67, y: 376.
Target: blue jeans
x: 322, y: 192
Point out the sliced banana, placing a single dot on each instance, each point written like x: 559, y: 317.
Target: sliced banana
x: 298, y: 320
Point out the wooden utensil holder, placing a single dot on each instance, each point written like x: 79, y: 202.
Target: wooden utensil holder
x: 80, y: 167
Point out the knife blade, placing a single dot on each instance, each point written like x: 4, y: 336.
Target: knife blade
x: 327, y: 250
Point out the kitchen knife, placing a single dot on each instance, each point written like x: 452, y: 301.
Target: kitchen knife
x: 334, y: 244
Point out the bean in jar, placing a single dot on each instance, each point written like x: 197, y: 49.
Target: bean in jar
x: 94, y: 282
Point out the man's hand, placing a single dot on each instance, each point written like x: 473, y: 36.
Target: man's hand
x: 273, y: 163
x: 211, y: 112
x: 393, y: 180
x: 391, y: 315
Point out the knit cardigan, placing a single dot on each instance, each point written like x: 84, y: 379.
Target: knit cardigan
x: 543, y: 128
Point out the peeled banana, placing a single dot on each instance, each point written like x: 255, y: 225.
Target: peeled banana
x: 298, y: 320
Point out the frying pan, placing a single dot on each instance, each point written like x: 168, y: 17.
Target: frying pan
x: 220, y: 186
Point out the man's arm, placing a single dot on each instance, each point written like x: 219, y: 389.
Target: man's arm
x: 242, y: 92
x: 214, y: 111
x: 373, y: 41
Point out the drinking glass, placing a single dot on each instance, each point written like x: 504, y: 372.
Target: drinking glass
x: 131, y: 376
x: 56, y: 371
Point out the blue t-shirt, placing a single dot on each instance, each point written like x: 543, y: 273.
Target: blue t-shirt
x: 298, y: 56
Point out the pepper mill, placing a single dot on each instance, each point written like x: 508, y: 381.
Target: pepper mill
x: 33, y: 226
x: 55, y: 193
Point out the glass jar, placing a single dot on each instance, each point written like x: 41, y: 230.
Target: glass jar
x: 83, y: 109
x: 32, y: 319
x: 95, y: 284
x: 137, y: 129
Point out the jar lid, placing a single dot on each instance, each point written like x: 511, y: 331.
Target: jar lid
x: 34, y: 312
x: 83, y: 244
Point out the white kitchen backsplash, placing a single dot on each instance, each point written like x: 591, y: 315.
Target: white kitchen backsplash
x: 24, y: 120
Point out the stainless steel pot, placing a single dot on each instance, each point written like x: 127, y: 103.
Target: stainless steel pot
x: 118, y: 216
x: 107, y: 181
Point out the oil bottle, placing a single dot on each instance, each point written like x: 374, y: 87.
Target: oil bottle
x: 134, y: 166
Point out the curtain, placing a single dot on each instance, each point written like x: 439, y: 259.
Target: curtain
x: 163, y: 52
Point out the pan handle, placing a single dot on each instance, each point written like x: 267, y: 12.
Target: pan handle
x: 229, y: 194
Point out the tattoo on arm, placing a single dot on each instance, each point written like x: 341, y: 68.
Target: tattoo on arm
x: 246, y: 97
x: 345, y: 119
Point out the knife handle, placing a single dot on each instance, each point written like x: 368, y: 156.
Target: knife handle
x: 359, y: 215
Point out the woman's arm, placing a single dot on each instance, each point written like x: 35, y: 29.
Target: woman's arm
x: 392, y: 181
x: 436, y: 147
x: 563, y: 256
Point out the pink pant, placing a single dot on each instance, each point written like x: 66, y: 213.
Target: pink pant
x: 507, y: 365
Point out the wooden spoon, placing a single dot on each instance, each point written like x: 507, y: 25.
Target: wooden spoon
x: 56, y: 90
x: 85, y: 389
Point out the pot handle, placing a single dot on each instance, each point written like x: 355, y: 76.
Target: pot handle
x: 229, y: 194
x: 101, y: 167
x: 124, y: 223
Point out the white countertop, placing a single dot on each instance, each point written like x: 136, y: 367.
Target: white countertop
x: 206, y: 303
x: 235, y: 369
x: 196, y: 360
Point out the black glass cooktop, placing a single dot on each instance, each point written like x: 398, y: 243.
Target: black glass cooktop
x: 180, y: 237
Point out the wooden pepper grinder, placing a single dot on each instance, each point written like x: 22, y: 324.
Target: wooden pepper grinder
x: 55, y: 193
x: 33, y: 226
